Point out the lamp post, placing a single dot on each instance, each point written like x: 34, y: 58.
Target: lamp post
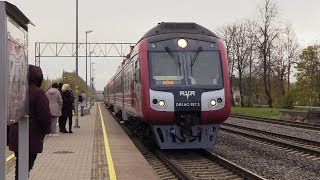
x: 76, y: 117
x: 87, y: 32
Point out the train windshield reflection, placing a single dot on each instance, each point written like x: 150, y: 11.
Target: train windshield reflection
x: 196, y: 68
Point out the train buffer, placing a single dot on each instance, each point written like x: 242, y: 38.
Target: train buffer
x: 89, y: 153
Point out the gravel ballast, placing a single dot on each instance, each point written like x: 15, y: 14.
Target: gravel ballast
x: 276, y: 128
x: 270, y: 163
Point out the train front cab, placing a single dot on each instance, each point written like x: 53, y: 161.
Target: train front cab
x: 181, y: 101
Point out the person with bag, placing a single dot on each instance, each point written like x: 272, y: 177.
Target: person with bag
x: 39, y: 119
x: 55, y: 104
x: 67, y: 107
x: 83, y: 101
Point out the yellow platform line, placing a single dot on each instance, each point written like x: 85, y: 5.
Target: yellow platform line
x: 10, y: 157
x: 112, y: 173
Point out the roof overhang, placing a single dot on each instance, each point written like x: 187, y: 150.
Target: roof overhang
x: 15, y: 13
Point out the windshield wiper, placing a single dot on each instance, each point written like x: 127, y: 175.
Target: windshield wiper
x: 172, y: 56
x: 196, y: 56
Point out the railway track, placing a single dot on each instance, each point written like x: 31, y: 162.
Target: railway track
x: 189, y: 164
x: 274, y: 121
x: 292, y: 145
x: 201, y: 164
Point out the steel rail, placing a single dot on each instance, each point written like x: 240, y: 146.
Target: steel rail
x: 232, y: 166
x: 179, y: 172
x: 274, y: 121
x: 282, y: 136
x: 274, y: 141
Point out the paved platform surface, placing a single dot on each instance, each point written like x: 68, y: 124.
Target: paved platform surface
x: 128, y: 161
x: 82, y: 155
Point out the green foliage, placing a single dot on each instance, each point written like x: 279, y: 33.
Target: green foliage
x: 257, y: 112
x: 70, y: 78
x: 261, y: 112
x: 288, y: 101
x: 308, y: 76
x: 46, y: 83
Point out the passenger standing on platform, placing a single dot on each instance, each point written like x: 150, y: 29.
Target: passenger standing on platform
x: 39, y: 119
x: 60, y: 117
x: 83, y: 100
x: 55, y: 104
x: 67, y: 107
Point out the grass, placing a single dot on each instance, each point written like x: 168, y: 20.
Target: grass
x: 261, y: 111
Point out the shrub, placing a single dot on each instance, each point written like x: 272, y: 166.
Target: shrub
x: 288, y: 101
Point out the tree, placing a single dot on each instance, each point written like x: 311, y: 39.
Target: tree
x: 308, y: 76
x: 70, y: 78
x: 266, y: 35
x: 291, y: 51
x: 250, y: 58
x: 285, y: 55
x: 239, y: 40
x: 46, y: 83
x: 227, y: 34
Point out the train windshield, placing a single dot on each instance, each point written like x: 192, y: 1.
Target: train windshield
x: 193, y: 68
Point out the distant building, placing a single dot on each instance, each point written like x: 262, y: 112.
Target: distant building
x: 236, y: 97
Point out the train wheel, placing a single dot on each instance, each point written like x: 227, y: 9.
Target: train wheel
x: 148, y: 138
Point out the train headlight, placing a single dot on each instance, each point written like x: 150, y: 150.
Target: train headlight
x: 162, y: 103
x: 213, y: 102
x: 183, y: 43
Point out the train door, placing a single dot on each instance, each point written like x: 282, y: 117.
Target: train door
x: 123, y: 79
x: 137, y: 85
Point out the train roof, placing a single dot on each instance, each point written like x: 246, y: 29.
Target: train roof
x: 179, y: 27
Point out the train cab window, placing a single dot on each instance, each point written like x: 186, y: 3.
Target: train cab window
x: 206, y: 70
x: 164, y: 69
x: 203, y: 69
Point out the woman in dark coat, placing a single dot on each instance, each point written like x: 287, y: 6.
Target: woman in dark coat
x: 67, y: 107
x: 39, y: 119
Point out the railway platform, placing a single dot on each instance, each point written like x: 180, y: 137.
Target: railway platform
x: 99, y: 149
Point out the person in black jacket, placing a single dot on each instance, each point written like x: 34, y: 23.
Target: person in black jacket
x: 67, y: 107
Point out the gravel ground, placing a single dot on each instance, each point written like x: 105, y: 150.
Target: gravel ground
x: 281, y: 129
x: 267, y: 162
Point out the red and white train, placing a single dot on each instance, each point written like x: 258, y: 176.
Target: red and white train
x: 173, y: 87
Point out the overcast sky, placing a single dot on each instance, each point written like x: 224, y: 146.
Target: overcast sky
x: 127, y: 21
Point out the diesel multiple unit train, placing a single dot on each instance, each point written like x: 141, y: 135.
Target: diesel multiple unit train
x: 173, y: 88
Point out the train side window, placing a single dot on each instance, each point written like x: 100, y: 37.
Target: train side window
x: 137, y: 76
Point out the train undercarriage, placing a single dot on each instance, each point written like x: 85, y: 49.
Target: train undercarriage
x: 186, y: 133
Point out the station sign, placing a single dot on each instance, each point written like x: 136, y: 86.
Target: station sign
x: 14, y: 63
x: 17, y: 55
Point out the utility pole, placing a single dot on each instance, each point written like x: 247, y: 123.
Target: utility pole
x: 90, y: 78
x: 87, y: 32
x: 77, y: 74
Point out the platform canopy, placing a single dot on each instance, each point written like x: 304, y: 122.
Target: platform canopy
x: 15, y: 13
